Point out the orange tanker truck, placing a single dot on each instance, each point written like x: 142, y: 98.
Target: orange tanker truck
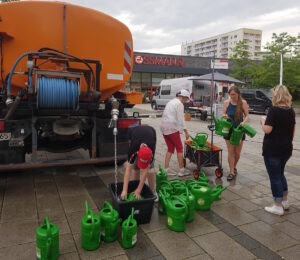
x: 62, y: 67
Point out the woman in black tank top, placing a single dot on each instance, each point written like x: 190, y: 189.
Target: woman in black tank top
x: 237, y: 109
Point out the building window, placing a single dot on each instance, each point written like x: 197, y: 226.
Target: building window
x: 135, y: 81
x: 169, y: 76
x: 157, y: 78
x: 146, y: 81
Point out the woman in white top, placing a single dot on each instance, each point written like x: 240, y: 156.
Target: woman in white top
x: 172, y: 125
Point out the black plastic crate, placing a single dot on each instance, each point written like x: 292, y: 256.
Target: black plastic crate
x: 142, y: 208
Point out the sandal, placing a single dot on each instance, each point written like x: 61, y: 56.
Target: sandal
x: 235, y: 171
x: 230, y: 177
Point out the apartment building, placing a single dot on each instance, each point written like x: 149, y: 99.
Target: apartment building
x: 223, y: 44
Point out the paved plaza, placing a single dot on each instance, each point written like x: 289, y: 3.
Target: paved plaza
x: 236, y: 227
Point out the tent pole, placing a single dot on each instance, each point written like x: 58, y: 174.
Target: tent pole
x: 211, y: 103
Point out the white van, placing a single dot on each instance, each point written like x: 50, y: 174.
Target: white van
x: 199, y: 89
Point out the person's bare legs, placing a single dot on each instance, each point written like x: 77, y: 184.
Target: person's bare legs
x: 151, y: 179
x: 231, y: 156
x: 167, y: 159
x: 237, y: 153
x: 180, y: 160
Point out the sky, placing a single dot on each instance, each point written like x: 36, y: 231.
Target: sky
x: 161, y: 26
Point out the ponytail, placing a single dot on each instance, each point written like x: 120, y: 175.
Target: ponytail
x: 239, y: 109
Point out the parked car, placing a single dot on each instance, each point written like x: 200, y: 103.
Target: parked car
x: 258, y: 100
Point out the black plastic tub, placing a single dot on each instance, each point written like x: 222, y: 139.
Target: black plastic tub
x: 142, y: 208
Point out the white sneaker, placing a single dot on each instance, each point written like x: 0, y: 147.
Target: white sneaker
x: 169, y: 172
x: 275, y: 210
x: 184, y: 172
x: 285, y: 204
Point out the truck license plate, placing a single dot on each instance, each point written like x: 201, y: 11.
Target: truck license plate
x: 5, y: 136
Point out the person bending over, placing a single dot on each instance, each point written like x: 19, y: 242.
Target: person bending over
x: 140, y: 162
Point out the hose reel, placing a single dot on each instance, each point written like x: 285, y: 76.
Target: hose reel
x: 57, y: 90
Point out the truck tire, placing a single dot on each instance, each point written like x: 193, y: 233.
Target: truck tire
x: 154, y: 105
x: 203, y: 116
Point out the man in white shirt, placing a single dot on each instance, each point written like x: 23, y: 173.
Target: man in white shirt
x: 172, y: 125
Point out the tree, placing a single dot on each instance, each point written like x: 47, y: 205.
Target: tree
x: 5, y: 1
x: 243, y: 68
x: 268, y: 71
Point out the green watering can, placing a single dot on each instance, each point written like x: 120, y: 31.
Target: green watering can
x: 131, y: 197
x: 222, y: 125
x: 199, y: 140
x: 177, y: 212
x: 90, y: 229
x: 205, y: 196
x: 190, y: 201
x: 109, y: 219
x: 192, y: 182
x: 161, y: 175
x: 165, y: 185
x: 236, y: 136
x: 248, y: 130
x: 162, y: 195
x: 179, y: 186
x: 218, y: 186
x: 47, y: 241
x: 129, y: 231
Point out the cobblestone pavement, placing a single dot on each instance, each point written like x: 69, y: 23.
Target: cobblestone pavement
x: 236, y: 227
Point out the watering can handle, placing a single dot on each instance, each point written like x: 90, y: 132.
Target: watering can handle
x: 162, y: 196
x: 128, y: 220
x: 205, y: 184
x: 93, y: 222
x: 202, y: 134
x: 107, y: 205
x: 186, y: 208
x: 187, y: 191
x: 132, y: 212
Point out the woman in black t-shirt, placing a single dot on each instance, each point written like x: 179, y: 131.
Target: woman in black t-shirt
x: 279, y: 128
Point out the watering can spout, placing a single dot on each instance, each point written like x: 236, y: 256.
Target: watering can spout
x: 216, y: 192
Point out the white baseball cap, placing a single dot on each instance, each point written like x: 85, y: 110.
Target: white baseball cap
x: 184, y: 93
